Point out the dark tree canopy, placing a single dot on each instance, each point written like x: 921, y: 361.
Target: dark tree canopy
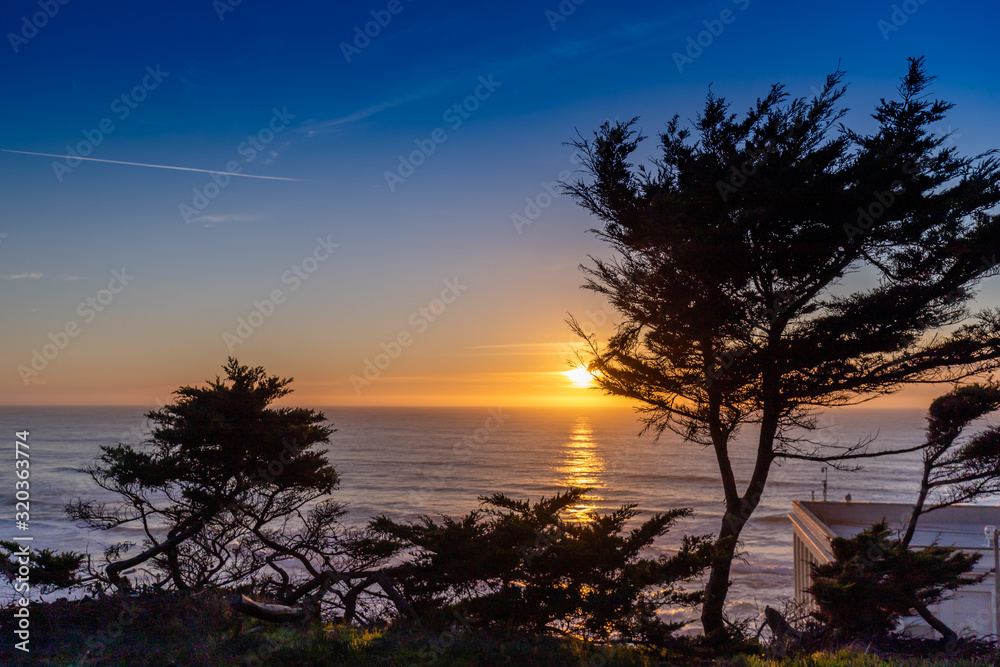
x: 49, y: 571
x: 520, y: 565
x: 875, y: 580
x: 730, y: 253
x: 227, y: 487
x: 223, y: 435
x: 958, y: 470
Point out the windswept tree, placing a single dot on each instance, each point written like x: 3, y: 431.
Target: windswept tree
x: 229, y: 490
x: 522, y: 565
x: 874, y: 581
x: 875, y: 578
x: 729, y: 257
x: 958, y: 470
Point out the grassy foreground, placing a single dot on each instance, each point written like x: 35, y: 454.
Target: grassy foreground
x: 201, y: 631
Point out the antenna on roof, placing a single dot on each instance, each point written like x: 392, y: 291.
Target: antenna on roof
x: 823, y: 470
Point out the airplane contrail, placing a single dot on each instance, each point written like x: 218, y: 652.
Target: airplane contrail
x: 153, y: 166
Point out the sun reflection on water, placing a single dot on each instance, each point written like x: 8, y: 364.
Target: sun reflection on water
x: 582, y: 466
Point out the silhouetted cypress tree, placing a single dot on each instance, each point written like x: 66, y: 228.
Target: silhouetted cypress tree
x: 520, y: 565
x: 874, y: 580
x: 226, y: 488
x: 958, y: 471
x: 729, y: 257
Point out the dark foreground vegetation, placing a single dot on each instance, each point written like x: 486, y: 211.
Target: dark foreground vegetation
x: 160, y: 629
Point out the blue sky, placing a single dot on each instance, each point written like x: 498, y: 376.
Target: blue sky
x: 229, y: 75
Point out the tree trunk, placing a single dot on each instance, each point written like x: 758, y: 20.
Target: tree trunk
x: 351, y: 598
x: 402, y: 604
x: 113, y: 569
x: 718, y: 580
x: 738, y: 508
x: 183, y: 531
x: 738, y: 512
x: 174, y: 566
x: 946, y: 633
x: 918, y: 507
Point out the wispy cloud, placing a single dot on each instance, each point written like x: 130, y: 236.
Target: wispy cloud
x: 312, y: 127
x: 34, y: 275
x: 316, y: 127
x: 153, y: 166
x: 519, y: 349
x: 273, y: 153
x: 22, y: 276
x: 622, y: 38
x: 225, y: 217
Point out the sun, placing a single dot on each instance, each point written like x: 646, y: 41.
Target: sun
x: 580, y: 376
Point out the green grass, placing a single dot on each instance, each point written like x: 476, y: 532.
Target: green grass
x: 201, y: 631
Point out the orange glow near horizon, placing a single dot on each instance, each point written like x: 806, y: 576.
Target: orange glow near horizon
x: 514, y: 389
x: 510, y: 375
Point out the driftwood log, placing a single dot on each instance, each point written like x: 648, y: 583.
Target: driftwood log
x: 274, y: 613
x: 279, y: 613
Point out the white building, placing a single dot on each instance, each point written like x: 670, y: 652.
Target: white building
x: 969, y: 527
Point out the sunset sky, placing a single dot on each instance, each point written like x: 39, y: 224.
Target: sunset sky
x: 391, y: 166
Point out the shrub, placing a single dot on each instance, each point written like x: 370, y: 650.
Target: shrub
x: 525, y: 567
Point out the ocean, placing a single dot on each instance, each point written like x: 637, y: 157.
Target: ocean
x: 407, y: 462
